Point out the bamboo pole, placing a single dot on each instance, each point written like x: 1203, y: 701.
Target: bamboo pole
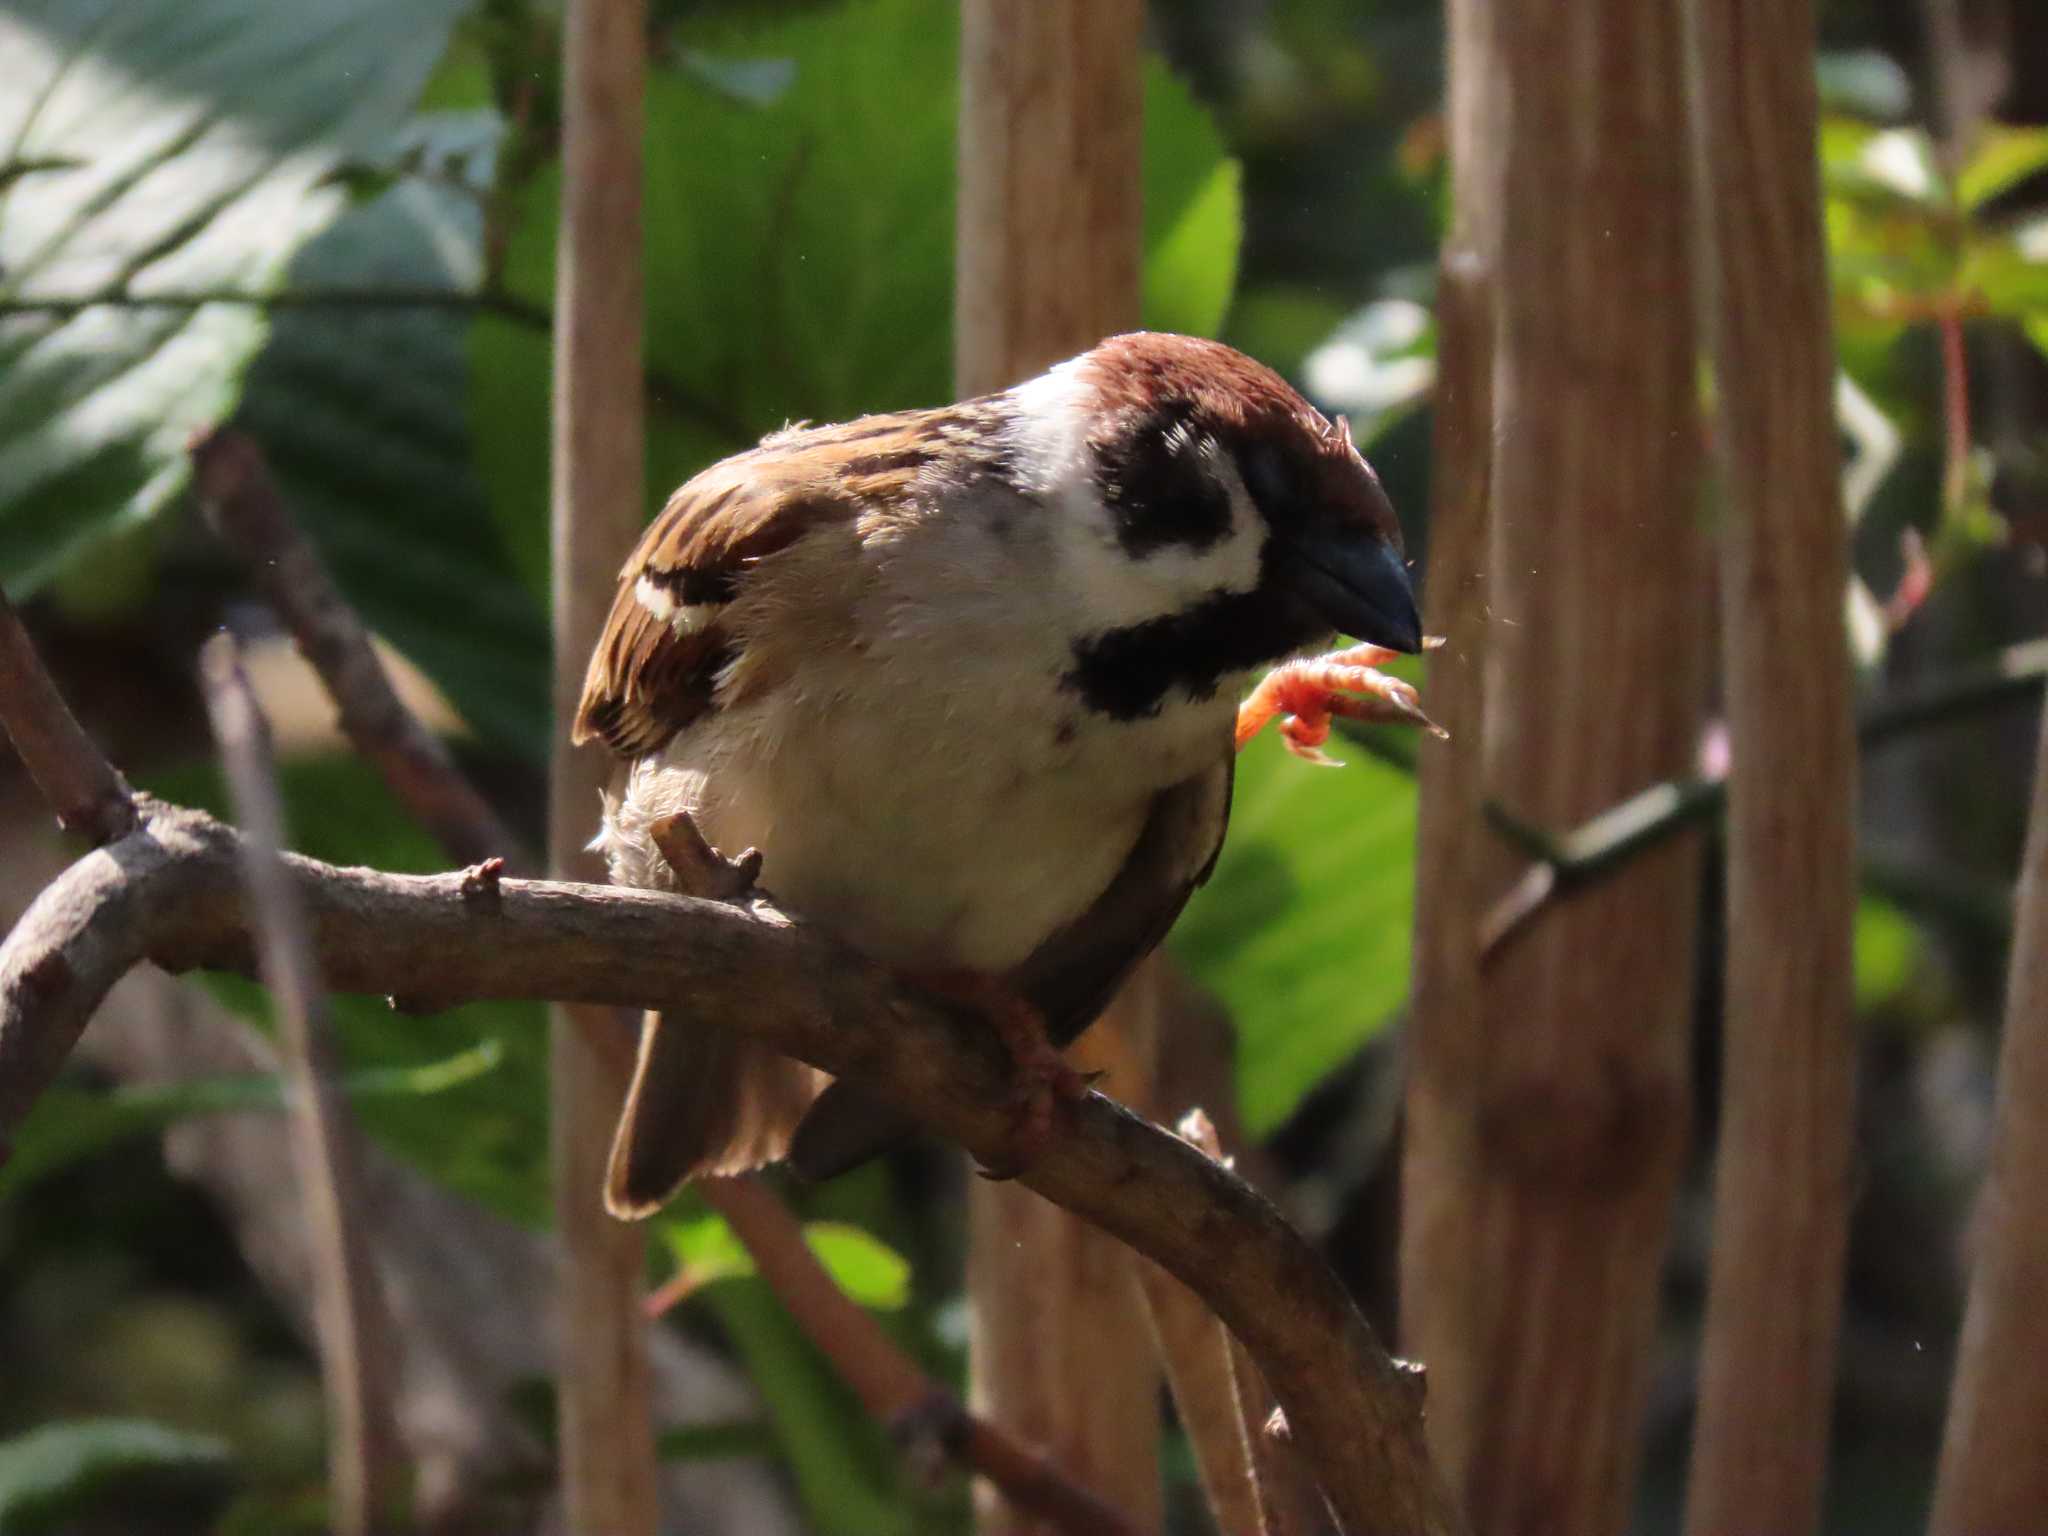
x: 1548, y: 1115
x: 1047, y: 263
x: 1781, y: 1184
x: 1994, y: 1458
x: 607, y: 1437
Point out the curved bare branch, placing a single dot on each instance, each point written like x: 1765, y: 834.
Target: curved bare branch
x: 169, y: 893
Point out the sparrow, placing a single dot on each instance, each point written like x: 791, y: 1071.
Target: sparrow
x: 969, y: 679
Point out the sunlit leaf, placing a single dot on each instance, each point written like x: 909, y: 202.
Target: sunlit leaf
x: 72, y: 1123
x: 51, y: 1476
x: 2002, y: 158
x: 1887, y: 948
x: 364, y: 417
x: 176, y: 146
x: 1999, y: 271
x: 860, y: 1264
x: 1194, y: 211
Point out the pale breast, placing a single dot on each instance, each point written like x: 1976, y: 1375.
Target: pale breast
x: 938, y: 796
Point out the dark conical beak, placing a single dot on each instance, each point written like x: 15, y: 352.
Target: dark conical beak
x: 1361, y: 588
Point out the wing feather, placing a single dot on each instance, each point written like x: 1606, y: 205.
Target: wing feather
x: 669, y: 638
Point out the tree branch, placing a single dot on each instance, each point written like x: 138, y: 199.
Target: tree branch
x: 241, y: 499
x: 349, y: 1318
x: 1202, y: 1369
x: 890, y: 1386
x: 170, y: 893
x: 1567, y: 861
x: 87, y: 792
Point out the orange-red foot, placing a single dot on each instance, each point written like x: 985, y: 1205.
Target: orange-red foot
x: 1310, y: 692
x: 1040, y: 1075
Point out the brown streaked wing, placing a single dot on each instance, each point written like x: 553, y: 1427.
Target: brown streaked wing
x: 650, y: 677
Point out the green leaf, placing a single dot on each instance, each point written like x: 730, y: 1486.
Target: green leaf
x: 860, y: 1264
x: 68, y: 1124
x: 717, y: 1442
x: 1194, y: 211
x: 2036, y: 328
x: 50, y: 1477
x: 1887, y: 949
x: 846, y: 1472
x: 180, y: 145
x: 801, y: 252
x: 2002, y: 159
x: 1303, y: 930
x: 2001, y: 272
x: 363, y: 415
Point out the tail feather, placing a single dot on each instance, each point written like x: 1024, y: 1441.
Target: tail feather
x: 704, y: 1101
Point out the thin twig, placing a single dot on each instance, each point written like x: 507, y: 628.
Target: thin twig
x: 890, y: 1386
x: 349, y: 1319
x: 85, y: 790
x: 1197, y: 1353
x: 1572, y: 860
x: 241, y: 499
x: 170, y: 892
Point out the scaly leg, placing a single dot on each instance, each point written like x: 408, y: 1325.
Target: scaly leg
x: 1311, y: 691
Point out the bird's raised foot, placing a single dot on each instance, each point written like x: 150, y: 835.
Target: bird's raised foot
x: 1309, y: 693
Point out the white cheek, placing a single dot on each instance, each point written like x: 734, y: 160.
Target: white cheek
x: 1093, y: 570
x: 1116, y: 590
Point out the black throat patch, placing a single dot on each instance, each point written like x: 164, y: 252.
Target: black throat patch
x: 1127, y: 673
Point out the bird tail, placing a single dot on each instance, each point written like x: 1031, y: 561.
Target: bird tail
x: 704, y: 1101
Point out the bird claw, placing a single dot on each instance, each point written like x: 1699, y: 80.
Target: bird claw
x: 1041, y: 1076
x: 1313, y: 691
x: 700, y: 869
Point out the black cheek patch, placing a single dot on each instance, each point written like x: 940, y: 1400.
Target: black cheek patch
x: 1161, y: 495
x: 1127, y: 673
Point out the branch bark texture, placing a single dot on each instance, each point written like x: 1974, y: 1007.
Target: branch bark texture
x: 170, y: 893
x: 241, y: 497
x: 1781, y: 1183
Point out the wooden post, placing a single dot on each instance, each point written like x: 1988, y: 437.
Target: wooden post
x: 1049, y: 245
x: 1994, y: 1475
x: 1781, y: 1183
x: 607, y: 1436
x: 1547, y: 1118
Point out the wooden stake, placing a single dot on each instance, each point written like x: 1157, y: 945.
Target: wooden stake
x: 607, y: 1437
